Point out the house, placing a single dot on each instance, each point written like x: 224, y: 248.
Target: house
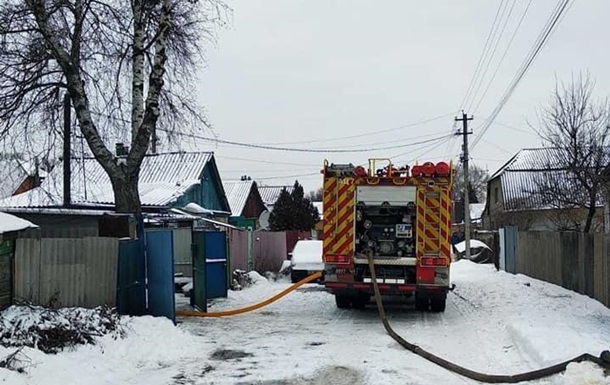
x: 518, y: 194
x: 270, y: 194
x: 245, y: 202
x: 169, y: 180
x: 17, y: 176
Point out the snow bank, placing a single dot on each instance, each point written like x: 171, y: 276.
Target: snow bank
x: 584, y: 373
x: 153, y: 351
x: 51, y: 330
x: 256, y: 278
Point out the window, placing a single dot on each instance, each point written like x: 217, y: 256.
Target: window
x: 496, y: 195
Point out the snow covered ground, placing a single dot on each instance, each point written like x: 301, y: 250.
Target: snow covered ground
x: 494, y: 322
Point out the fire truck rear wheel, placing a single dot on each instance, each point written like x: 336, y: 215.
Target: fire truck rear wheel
x: 360, y: 301
x: 422, y: 303
x: 437, y: 305
x: 343, y: 301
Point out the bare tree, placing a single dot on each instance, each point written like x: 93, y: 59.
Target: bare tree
x: 127, y: 66
x: 478, y: 183
x: 577, y: 129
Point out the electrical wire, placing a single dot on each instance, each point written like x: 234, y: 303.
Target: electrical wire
x: 319, y: 150
x: 281, y: 176
x: 367, y: 134
x: 278, y: 162
x: 493, y: 52
x: 426, y: 149
x: 547, y: 31
x: 510, y: 42
x: 483, y: 54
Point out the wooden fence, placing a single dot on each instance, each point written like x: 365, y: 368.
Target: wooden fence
x: 60, y: 272
x: 576, y: 261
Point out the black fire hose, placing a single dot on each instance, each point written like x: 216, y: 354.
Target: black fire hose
x: 482, y: 377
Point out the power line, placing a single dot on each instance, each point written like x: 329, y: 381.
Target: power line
x: 289, y: 149
x: 510, y: 42
x: 483, y: 54
x: 426, y: 149
x: 493, y: 52
x: 363, y: 134
x: 281, y: 177
x: 269, y: 161
x: 540, y: 43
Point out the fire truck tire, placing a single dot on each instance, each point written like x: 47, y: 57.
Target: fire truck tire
x: 343, y: 301
x: 422, y: 303
x: 360, y: 301
x: 437, y: 305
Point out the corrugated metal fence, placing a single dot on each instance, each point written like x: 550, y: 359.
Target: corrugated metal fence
x: 183, y: 253
x: 269, y: 250
x: 60, y: 272
x: 239, y: 250
x: 576, y: 261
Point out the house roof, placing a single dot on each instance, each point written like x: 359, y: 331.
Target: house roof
x: 529, y: 171
x: 9, y: 223
x: 270, y: 194
x: 237, y: 194
x: 532, y: 159
x: 163, y: 179
x: 12, y: 173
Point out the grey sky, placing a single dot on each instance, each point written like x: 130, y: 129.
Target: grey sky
x: 291, y: 71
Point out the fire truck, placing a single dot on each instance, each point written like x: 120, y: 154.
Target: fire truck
x: 399, y: 215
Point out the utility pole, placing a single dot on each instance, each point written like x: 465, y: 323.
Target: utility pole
x: 67, y: 152
x: 464, y: 119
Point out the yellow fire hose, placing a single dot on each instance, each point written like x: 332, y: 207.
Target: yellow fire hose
x: 226, y: 313
x: 483, y: 377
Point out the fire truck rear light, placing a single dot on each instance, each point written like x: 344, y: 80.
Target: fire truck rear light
x: 337, y: 259
x: 430, y: 261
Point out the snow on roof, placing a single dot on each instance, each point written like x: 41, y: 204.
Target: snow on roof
x: 529, y: 171
x: 270, y: 194
x: 10, y: 223
x: 237, y: 194
x: 163, y: 179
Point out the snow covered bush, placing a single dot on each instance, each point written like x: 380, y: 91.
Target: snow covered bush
x: 52, y: 330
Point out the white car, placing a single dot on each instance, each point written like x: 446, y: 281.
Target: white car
x: 306, y: 259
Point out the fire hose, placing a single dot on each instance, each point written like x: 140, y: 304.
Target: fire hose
x: 603, y: 360
x: 226, y: 313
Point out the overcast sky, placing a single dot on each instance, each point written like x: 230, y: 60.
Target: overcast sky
x: 290, y: 71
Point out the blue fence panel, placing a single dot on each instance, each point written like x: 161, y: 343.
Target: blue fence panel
x: 216, y: 264
x: 131, y: 278
x: 160, y: 273
x: 510, y: 243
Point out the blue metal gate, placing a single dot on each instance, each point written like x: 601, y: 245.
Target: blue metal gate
x: 510, y: 248
x: 199, y: 298
x: 160, y: 273
x: 131, y: 278
x: 215, y: 246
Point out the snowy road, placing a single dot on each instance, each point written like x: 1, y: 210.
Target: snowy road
x: 494, y: 322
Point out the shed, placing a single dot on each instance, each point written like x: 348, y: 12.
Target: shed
x: 246, y: 203
x: 10, y: 226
